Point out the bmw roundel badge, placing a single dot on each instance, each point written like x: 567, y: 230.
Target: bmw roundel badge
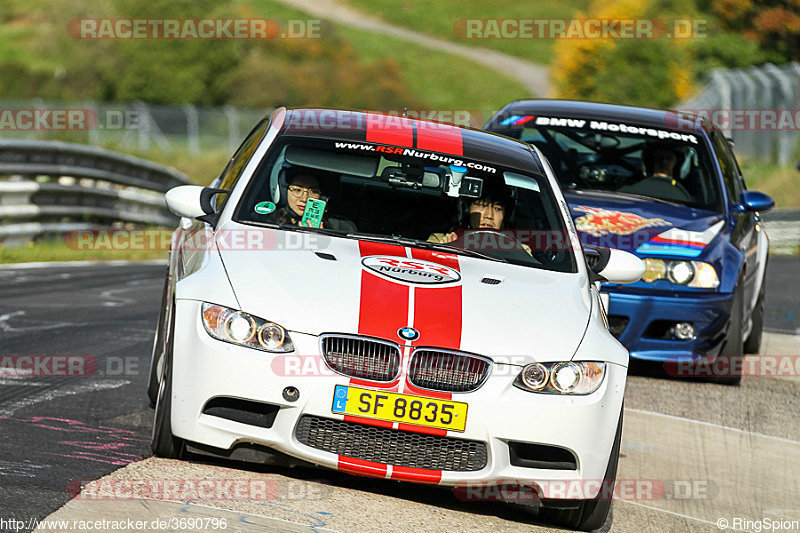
x: 407, y: 333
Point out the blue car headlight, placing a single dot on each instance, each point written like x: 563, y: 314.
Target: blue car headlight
x: 686, y: 273
x: 244, y: 329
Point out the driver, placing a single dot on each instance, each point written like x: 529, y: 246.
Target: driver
x: 484, y: 213
x: 659, y: 162
x: 663, y: 161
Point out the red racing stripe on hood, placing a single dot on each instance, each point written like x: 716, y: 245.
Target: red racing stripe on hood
x: 437, y: 310
x: 383, y: 308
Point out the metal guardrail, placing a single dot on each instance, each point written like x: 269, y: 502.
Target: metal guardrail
x: 53, y: 187
x: 783, y: 229
x: 759, y: 109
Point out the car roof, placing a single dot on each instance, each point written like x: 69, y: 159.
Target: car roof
x: 642, y: 116
x: 414, y: 133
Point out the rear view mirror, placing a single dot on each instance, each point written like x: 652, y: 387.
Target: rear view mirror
x: 614, y: 266
x: 192, y: 201
x: 757, y: 201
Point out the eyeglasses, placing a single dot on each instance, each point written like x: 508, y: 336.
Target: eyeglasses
x: 298, y: 192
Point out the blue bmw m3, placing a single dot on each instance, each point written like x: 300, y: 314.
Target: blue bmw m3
x: 667, y: 187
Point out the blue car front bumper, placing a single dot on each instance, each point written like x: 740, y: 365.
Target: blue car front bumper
x: 640, y: 320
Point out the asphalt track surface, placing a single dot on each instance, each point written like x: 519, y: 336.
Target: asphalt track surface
x: 735, y: 450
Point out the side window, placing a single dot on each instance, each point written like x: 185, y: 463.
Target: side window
x: 236, y: 165
x: 730, y: 171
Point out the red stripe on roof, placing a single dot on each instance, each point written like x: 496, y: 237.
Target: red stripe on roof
x: 388, y: 129
x: 442, y: 138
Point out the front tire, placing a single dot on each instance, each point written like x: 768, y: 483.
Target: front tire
x: 163, y: 443
x: 590, y: 514
x: 158, y: 346
x: 732, y: 351
x: 753, y: 342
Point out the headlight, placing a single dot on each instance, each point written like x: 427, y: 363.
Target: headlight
x: 561, y: 378
x: 238, y: 327
x: 686, y: 273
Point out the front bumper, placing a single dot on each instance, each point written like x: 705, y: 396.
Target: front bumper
x: 637, y: 316
x: 498, y: 412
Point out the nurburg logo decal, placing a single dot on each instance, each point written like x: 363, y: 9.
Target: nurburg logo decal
x: 414, y: 271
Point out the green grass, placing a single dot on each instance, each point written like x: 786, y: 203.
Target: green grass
x: 780, y: 182
x: 438, y: 17
x: 442, y: 81
x: 59, y: 250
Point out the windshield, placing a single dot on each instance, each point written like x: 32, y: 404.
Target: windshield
x: 408, y: 197
x: 620, y: 158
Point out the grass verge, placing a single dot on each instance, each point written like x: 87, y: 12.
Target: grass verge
x: 437, y: 18
x: 59, y: 250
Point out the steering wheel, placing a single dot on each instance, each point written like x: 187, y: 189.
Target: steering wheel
x: 492, y: 240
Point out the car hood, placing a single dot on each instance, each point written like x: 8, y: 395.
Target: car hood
x: 638, y: 224
x: 340, y: 285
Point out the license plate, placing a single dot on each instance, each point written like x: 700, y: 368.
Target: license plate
x: 419, y: 410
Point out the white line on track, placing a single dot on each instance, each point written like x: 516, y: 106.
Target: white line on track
x: 193, y: 504
x: 711, y: 424
x: 71, y: 390
x: 668, y: 512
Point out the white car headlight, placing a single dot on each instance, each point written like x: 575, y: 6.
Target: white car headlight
x: 566, y: 377
x: 238, y: 327
x: 686, y: 273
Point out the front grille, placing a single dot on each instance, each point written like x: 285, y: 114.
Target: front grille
x: 617, y: 324
x: 361, y: 357
x: 391, y: 446
x: 447, y: 371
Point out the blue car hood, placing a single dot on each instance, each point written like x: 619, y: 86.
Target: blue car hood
x: 639, y: 224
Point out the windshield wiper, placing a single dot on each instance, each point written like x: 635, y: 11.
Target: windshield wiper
x: 426, y: 245
x: 634, y: 195
x: 291, y: 227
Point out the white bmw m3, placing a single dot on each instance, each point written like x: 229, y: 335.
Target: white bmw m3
x: 393, y: 298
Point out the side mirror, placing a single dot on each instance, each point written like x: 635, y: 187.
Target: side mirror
x: 192, y: 201
x: 757, y: 201
x: 614, y: 266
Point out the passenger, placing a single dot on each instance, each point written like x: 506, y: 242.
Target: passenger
x: 300, y: 188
